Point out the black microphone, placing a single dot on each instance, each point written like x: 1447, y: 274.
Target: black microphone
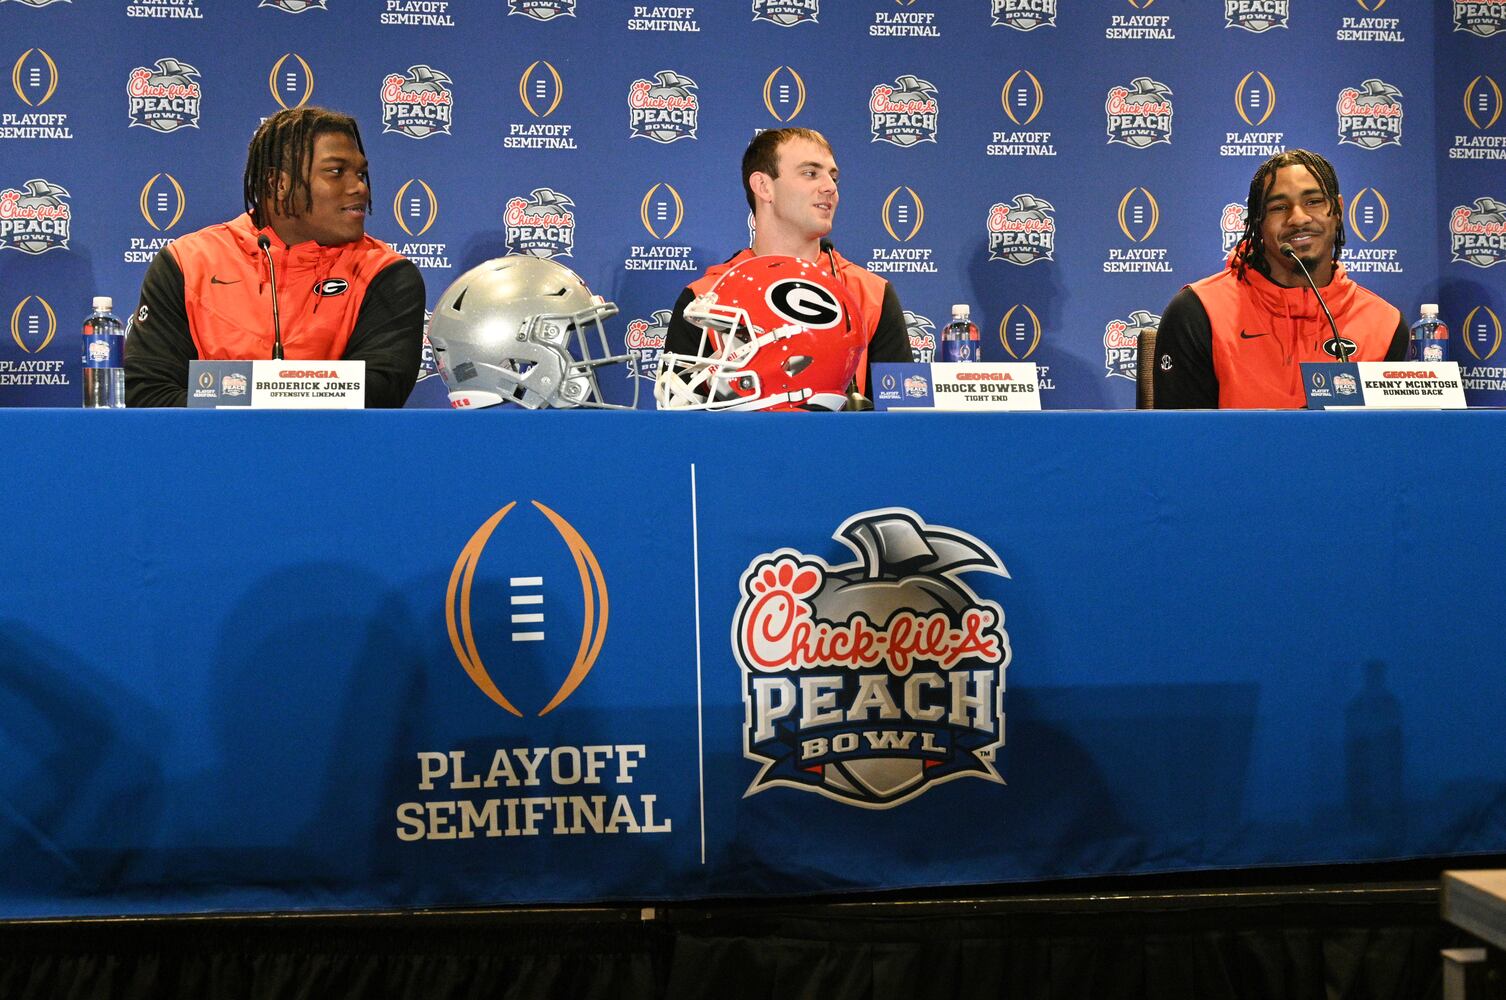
x: 266, y: 248
x: 1342, y: 344
x: 856, y: 401
x: 828, y: 249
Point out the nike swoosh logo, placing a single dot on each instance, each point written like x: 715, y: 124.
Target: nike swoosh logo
x: 1242, y: 334
x: 219, y: 281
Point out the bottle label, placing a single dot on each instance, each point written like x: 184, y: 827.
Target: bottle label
x: 101, y: 349
x: 959, y: 342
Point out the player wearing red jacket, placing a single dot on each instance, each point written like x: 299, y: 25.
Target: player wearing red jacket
x: 1237, y: 339
x: 340, y: 293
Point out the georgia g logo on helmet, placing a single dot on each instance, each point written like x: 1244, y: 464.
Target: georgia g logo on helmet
x: 804, y: 303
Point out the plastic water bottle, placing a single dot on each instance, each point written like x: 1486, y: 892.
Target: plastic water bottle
x: 959, y: 341
x: 104, y: 355
x: 1429, y: 337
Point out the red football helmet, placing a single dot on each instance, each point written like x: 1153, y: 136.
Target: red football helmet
x: 778, y: 333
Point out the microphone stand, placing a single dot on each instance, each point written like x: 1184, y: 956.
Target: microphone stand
x: 1340, y: 342
x: 266, y: 248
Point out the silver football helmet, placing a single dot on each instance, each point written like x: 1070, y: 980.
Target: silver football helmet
x: 519, y: 329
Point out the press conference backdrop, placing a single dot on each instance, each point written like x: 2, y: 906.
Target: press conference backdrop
x: 1063, y: 167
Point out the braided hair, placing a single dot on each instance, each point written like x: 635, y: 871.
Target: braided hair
x: 285, y: 143
x: 1249, y: 252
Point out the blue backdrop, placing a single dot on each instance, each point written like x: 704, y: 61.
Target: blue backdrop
x: 1119, y: 133
x: 261, y: 668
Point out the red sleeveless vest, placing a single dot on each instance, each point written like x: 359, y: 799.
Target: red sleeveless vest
x: 229, y: 300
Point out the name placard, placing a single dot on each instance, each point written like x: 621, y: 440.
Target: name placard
x: 1383, y: 385
x: 973, y: 385
x: 278, y: 385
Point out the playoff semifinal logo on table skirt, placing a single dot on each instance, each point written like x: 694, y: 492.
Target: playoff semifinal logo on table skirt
x: 875, y: 680
x: 536, y: 607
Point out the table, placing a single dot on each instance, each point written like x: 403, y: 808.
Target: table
x: 260, y: 661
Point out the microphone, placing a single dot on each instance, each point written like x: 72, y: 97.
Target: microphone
x: 266, y: 248
x: 827, y: 248
x: 1340, y: 342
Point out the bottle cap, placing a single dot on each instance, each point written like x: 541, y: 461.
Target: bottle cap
x: 961, y: 310
x: 103, y: 303
x: 1430, y: 309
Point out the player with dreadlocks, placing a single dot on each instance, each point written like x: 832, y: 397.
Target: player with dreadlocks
x: 1237, y: 339
x: 340, y: 293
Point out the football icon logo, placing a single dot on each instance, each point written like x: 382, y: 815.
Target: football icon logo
x: 33, y: 328
x: 1020, y: 331
x: 527, y: 612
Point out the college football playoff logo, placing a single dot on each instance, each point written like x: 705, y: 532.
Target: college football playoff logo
x: 1482, y: 333
x: 415, y: 207
x: 1369, y: 215
x: 541, y: 89
x: 784, y: 93
x: 1139, y: 214
x: 34, y: 77
x: 162, y: 202
x: 1022, y: 97
x: 1020, y: 331
x: 294, y: 6
x: 872, y: 681
x: 1254, y: 98
x: 1482, y: 102
x: 531, y: 619
x: 661, y: 211
x: 903, y: 213
x: 291, y: 81
x: 32, y: 327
